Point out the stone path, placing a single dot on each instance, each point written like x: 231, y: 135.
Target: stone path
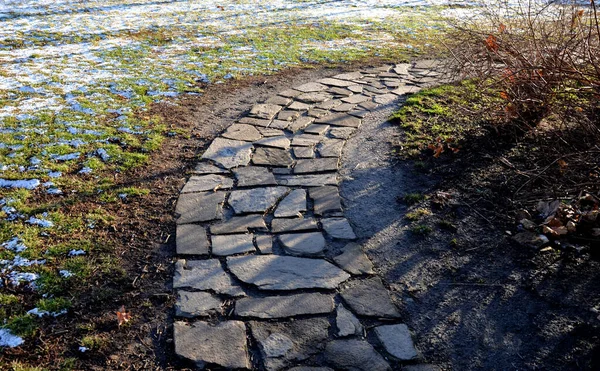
x: 269, y: 274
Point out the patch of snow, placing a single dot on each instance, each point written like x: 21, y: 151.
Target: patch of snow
x: 7, y: 339
x: 76, y: 252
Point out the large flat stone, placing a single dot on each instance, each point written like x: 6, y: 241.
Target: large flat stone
x: 280, y: 225
x: 203, y: 168
x: 229, y: 153
x: 255, y: 121
x: 272, y: 157
x: 276, y: 142
x: 288, y: 115
x: 205, y: 275
x: 355, y: 99
x: 279, y: 100
x: 310, y: 180
x: 385, y: 98
x: 326, y: 200
x: 231, y: 244
x: 341, y: 132
x: 299, y: 106
x: 349, y: 76
x: 240, y: 224
x: 397, y: 341
x: 256, y: 200
x: 338, y: 228
x: 286, y: 343
x: 370, y: 298
x: 331, y: 147
x: 204, y: 344
x: 317, y: 129
x: 244, y: 132
x: 316, y: 165
x: 292, y: 205
x: 340, y: 83
x: 303, y: 244
x: 191, y: 240
x: 312, y: 98
x: 340, y: 92
x: 273, y: 272
x: 356, y: 355
x: 264, y: 111
x: 196, y: 304
x: 353, y: 260
x: 211, y: 182
x: 271, y: 132
x: 264, y: 243
x: 304, y: 152
x: 249, y: 176
x: 347, y: 323
x: 306, y: 140
x: 199, y: 207
x: 339, y: 119
x: 284, y: 306
x: 290, y: 93
x: 311, y: 87
x: 300, y: 123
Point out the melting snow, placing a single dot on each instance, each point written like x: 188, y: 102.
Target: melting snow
x: 7, y: 339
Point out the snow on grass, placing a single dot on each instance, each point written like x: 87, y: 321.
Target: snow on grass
x: 7, y: 339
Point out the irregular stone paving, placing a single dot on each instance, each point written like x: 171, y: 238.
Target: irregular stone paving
x: 261, y: 236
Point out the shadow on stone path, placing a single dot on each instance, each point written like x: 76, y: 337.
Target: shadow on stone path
x: 271, y: 274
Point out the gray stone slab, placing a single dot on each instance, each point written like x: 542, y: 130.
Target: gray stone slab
x: 346, y: 322
x: 206, y: 275
x: 402, y: 68
x: 284, y: 344
x: 274, y: 272
x: 256, y: 200
x: 304, y: 152
x: 210, y: 182
x: 340, y: 83
x: 318, y: 112
x: 284, y: 306
x: 300, y: 123
x: 408, y: 89
x: 369, y: 298
x: 341, y: 132
x: 306, y: 140
x: 326, y: 200
x: 264, y: 243
x: 229, y: 153
x: 203, y: 168
x: 272, y: 157
x: 281, y: 225
x: 309, y: 180
x: 271, y: 132
x: 311, y: 87
x: 349, y: 76
x: 203, y: 344
x: 279, y: 100
x: 331, y: 147
x: 342, y: 92
x: 369, y: 106
x: 344, y: 107
x: 277, y: 142
x: 230, y: 244
x: 279, y: 124
x: 312, y: 98
x: 264, y: 111
x: 196, y: 304
x: 303, y: 244
x: 316, y: 165
x: 244, y: 132
x: 338, y: 228
x: 288, y: 115
x: 357, y: 89
x: 249, y: 176
x: 191, y: 240
x: 317, y: 129
x: 299, y: 106
x: 355, y: 355
x: 327, y: 105
x: 397, y: 341
x: 355, y: 99
x: 339, y: 119
x: 393, y: 84
x: 292, y: 205
x: 376, y: 88
x: 240, y: 224
x: 359, y: 113
x: 385, y: 98
x: 354, y: 261
x: 255, y: 121
x: 199, y: 207
x: 290, y: 93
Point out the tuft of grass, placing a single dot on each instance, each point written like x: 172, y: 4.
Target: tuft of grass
x: 417, y: 214
x: 413, y: 198
x: 421, y: 230
x: 95, y: 342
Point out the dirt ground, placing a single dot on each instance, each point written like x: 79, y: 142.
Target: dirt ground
x: 473, y: 298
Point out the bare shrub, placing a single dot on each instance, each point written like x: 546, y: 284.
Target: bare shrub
x: 543, y: 60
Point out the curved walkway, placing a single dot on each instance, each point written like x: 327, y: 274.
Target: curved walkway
x: 270, y: 274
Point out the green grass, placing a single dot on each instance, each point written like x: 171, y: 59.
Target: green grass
x: 413, y: 198
x: 417, y: 214
x: 421, y: 230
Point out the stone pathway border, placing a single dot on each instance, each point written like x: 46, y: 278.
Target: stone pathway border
x: 270, y: 275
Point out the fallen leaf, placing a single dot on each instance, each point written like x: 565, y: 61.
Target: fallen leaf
x: 122, y: 316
